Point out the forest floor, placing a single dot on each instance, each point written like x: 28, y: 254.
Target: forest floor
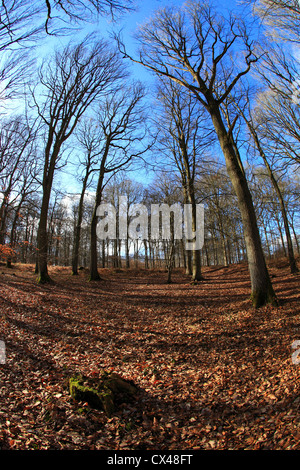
x: 212, y: 372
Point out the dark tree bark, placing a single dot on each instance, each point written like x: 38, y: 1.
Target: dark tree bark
x: 94, y: 274
x: 77, y: 235
x: 77, y: 78
x: 261, y: 286
x: 193, y: 49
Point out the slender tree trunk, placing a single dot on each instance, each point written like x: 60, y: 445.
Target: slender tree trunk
x: 189, y: 270
x: 42, y: 259
x: 103, y: 253
x: 3, y: 215
x: 290, y: 251
x: 170, y: 264
x: 261, y: 287
x: 291, y: 257
x: 94, y: 274
x: 120, y: 264
x: 296, y: 239
x: 127, y: 253
x: 42, y: 265
x: 75, y: 256
x: 146, y: 254
x: 195, y: 256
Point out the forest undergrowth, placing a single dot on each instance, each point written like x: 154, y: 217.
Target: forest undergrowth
x: 212, y: 372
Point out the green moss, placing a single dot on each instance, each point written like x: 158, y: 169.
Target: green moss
x: 99, y: 399
x: 100, y: 393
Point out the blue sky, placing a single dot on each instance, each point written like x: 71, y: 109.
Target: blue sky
x: 128, y: 23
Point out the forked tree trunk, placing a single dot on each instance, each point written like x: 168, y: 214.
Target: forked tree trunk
x: 261, y: 287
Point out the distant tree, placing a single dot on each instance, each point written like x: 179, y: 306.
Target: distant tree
x: 121, y: 185
x: 282, y: 17
x: 17, y: 154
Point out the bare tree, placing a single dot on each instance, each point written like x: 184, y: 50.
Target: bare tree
x: 254, y: 132
x: 78, y: 11
x: 22, y: 22
x: 282, y: 17
x: 69, y: 85
x: 193, y: 46
x: 183, y: 134
x: 122, y: 125
x: 277, y: 103
x: 17, y: 137
x: 88, y: 137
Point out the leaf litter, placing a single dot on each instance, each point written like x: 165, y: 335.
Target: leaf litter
x: 212, y: 372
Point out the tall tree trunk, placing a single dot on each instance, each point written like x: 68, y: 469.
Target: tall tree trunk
x: 127, y: 253
x: 42, y: 265
x: 146, y: 254
x: 75, y: 256
x: 291, y: 256
x: 296, y: 239
x: 94, y: 274
x: 189, y: 270
x: 261, y: 287
x: 170, y: 262
x: 42, y: 235
x: 3, y: 215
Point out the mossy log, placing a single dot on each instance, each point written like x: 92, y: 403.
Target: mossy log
x: 102, y: 393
